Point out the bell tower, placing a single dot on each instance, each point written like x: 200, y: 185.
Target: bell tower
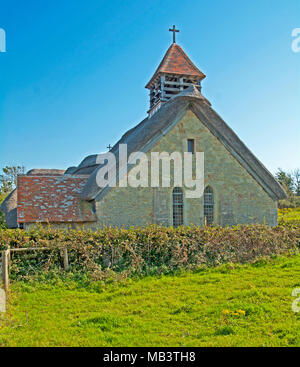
x: 175, y: 73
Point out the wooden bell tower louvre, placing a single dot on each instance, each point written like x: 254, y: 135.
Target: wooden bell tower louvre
x: 175, y: 73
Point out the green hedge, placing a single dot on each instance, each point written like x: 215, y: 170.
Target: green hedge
x: 2, y: 221
x: 150, y: 250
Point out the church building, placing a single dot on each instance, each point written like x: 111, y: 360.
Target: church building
x: 238, y: 189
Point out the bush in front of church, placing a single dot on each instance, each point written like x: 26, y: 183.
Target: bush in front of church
x: 143, y: 251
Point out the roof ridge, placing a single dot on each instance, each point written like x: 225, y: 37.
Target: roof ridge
x: 193, y: 92
x: 168, y: 115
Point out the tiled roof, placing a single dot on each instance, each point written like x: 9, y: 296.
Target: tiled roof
x: 176, y: 61
x: 52, y: 198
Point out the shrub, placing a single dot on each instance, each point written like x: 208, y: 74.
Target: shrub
x: 110, y: 251
x: 2, y: 221
x: 288, y: 216
x: 293, y: 202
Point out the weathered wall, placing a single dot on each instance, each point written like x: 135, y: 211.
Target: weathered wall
x: 63, y: 226
x: 238, y: 197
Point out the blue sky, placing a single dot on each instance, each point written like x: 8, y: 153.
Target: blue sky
x: 72, y: 79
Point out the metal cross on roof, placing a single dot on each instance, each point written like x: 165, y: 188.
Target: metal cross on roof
x: 174, y: 30
x: 109, y: 147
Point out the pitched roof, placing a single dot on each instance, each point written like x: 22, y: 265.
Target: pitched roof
x: 86, y: 167
x: 9, y: 208
x: 52, y: 198
x: 45, y: 172
x: 149, y: 131
x: 70, y: 170
x: 176, y: 61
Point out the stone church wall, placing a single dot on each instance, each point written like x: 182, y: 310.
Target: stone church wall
x: 239, y: 199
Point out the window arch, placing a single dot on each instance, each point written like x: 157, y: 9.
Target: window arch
x: 208, y: 206
x: 177, y: 197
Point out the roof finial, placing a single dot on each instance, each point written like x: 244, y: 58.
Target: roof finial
x: 174, y: 30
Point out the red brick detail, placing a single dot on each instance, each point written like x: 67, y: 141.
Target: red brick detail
x: 176, y: 61
x: 52, y: 199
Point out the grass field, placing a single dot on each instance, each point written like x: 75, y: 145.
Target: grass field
x: 289, y: 215
x: 232, y: 305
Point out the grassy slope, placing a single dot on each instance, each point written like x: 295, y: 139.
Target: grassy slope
x: 183, y: 310
x: 289, y: 215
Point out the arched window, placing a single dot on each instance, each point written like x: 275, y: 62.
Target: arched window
x: 177, y: 207
x: 208, y: 206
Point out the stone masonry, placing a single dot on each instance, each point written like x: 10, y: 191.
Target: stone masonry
x: 238, y: 196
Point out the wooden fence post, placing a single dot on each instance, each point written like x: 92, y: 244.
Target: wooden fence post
x: 5, y: 261
x: 66, y: 259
